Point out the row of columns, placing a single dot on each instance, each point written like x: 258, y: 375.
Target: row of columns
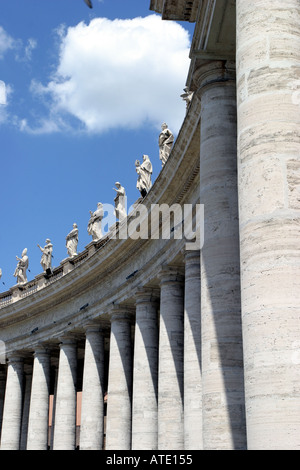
x: 138, y: 417
x: 155, y: 387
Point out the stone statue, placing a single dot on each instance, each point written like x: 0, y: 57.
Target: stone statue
x: 46, y: 259
x: 165, y: 142
x: 144, y: 172
x: 22, y: 266
x: 95, y: 223
x: 72, y: 241
x: 120, y: 202
x: 187, y: 96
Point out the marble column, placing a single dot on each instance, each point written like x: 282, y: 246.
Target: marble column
x: 55, y: 378
x: 92, y: 406
x: 27, y: 382
x: 192, y: 354
x: 222, y: 354
x: 145, y: 371
x: 268, y: 78
x: 170, y: 368
x: 37, y: 438
x: 12, y: 412
x: 2, y: 393
x: 65, y: 406
x: 118, y: 424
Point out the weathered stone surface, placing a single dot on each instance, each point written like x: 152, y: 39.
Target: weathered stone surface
x: 222, y: 359
x: 269, y: 150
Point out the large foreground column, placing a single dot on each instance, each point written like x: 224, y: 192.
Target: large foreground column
x: 145, y: 376
x: 268, y: 74
x: 37, y: 438
x: 92, y: 415
x: 118, y: 424
x: 222, y: 355
x: 12, y: 413
x: 170, y: 381
x: 65, y: 406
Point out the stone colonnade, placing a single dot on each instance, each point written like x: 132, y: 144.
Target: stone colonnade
x: 151, y: 346
x: 209, y: 358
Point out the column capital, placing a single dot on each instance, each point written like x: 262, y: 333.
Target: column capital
x: 214, y: 72
x: 41, y: 349
x: 146, y: 294
x: 171, y: 274
x: 121, y: 313
x: 191, y: 254
x: 93, y: 327
x: 68, y: 339
x: 15, y: 357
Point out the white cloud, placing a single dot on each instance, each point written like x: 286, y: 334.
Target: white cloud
x: 31, y: 45
x: 3, y: 100
x: 6, y: 42
x: 121, y: 73
x: 5, y: 91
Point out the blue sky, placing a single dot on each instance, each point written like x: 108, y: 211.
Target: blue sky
x: 83, y: 93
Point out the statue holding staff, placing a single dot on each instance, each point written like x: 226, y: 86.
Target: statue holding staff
x: 22, y: 266
x: 46, y: 259
x: 95, y: 223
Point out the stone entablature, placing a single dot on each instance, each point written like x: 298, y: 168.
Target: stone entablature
x: 182, y: 10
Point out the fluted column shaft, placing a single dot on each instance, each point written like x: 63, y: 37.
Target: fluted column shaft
x: 65, y: 405
x: 118, y: 424
x: 145, y: 373
x: 92, y: 406
x: 170, y: 381
x: 192, y: 354
x: 37, y: 438
x: 12, y: 413
x: 222, y: 355
x: 268, y: 78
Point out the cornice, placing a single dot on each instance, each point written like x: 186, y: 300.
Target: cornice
x: 178, y: 10
x: 214, y: 36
